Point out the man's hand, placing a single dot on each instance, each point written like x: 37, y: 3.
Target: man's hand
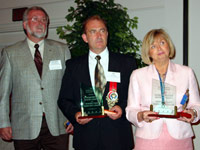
x: 117, y: 114
x: 69, y: 128
x: 6, y: 133
x: 82, y: 121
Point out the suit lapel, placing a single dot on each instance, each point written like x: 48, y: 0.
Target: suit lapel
x: 153, y: 71
x: 28, y: 58
x: 113, y: 63
x: 170, y: 78
x: 85, y: 71
x: 48, y: 55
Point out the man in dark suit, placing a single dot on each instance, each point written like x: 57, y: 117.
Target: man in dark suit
x: 113, y: 132
x: 32, y: 71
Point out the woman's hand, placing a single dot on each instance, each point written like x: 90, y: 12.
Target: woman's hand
x: 144, y: 116
x: 191, y: 112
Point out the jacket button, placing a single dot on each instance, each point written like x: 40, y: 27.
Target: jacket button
x: 42, y: 88
x: 40, y: 103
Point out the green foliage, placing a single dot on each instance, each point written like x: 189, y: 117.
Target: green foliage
x: 120, y: 27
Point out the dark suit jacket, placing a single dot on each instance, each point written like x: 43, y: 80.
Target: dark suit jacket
x: 102, y: 133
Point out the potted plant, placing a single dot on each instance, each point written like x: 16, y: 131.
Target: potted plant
x: 120, y: 26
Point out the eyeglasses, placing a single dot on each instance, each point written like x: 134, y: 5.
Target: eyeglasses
x: 36, y: 19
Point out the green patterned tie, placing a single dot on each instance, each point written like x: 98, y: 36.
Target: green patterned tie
x: 100, y: 80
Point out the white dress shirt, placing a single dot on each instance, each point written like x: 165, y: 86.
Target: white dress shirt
x: 92, y: 63
x: 32, y: 48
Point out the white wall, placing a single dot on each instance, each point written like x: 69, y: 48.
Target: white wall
x: 167, y: 14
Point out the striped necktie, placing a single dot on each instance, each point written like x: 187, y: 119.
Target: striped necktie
x: 38, y: 60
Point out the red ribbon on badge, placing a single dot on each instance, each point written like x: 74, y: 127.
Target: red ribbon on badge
x: 113, y: 86
x: 112, y: 96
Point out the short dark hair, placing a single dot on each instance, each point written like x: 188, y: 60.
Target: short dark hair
x: 95, y: 17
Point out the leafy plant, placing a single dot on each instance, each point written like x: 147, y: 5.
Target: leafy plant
x: 120, y: 27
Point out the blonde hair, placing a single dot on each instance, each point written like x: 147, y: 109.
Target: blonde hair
x: 148, y: 41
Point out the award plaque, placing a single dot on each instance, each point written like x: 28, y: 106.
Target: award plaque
x: 168, y: 109
x: 91, y: 106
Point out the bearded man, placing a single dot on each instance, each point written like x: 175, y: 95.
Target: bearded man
x: 32, y: 71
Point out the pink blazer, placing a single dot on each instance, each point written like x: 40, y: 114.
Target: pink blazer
x: 140, y: 94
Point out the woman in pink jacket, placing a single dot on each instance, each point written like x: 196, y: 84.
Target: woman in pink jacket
x: 163, y: 84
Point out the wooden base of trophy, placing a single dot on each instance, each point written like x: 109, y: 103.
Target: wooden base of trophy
x: 176, y: 114
x: 109, y: 112
x: 98, y: 116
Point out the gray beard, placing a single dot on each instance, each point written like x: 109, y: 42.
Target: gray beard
x: 37, y: 35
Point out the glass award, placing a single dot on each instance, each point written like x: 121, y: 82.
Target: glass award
x: 91, y: 105
x: 168, y: 108
x: 170, y: 98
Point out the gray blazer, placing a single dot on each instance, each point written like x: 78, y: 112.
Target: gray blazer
x: 30, y: 94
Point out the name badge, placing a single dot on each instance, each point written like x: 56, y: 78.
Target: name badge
x: 113, y: 77
x: 55, y: 65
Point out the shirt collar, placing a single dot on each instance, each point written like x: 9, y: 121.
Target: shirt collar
x: 103, y: 54
x: 32, y: 44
